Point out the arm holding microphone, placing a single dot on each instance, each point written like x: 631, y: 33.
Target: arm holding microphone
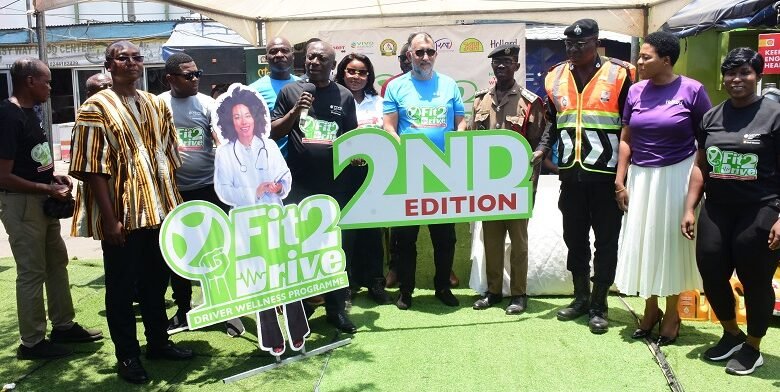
x: 300, y: 110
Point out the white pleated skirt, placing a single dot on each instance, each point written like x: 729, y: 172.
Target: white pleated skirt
x: 654, y: 258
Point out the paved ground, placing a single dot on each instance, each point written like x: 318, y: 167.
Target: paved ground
x: 81, y: 248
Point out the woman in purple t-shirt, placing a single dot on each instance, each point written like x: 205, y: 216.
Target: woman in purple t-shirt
x: 657, y: 148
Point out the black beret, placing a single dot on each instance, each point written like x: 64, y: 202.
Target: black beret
x: 505, y: 50
x: 582, y: 28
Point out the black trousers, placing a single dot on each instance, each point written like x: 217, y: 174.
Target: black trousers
x: 443, y: 240
x: 365, y: 256
x: 734, y: 236
x: 586, y: 205
x: 182, y: 287
x: 139, y: 264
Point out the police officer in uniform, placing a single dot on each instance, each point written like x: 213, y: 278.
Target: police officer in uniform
x: 586, y: 96
x: 507, y: 105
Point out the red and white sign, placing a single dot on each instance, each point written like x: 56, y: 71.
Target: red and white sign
x: 769, y: 47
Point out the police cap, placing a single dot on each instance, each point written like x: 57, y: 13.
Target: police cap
x: 582, y: 28
x: 505, y: 50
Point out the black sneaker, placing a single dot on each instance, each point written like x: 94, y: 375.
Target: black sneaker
x: 45, y: 349
x: 378, y: 293
x: 76, y: 334
x: 446, y: 297
x: 727, y: 345
x: 234, y: 327
x: 178, y: 322
x: 744, y: 361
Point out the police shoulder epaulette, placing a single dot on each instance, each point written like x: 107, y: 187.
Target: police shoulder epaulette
x: 556, y: 65
x: 619, y: 62
x: 528, y: 95
x: 481, y: 93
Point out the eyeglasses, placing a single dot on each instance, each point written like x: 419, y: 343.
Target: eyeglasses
x: 104, y: 86
x: 191, y: 75
x: 503, y: 61
x: 577, y: 44
x: 359, y: 72
x: 126, y: 59
x: 422, y: 52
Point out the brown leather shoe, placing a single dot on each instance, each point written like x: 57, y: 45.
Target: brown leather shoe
x: 454, y: 281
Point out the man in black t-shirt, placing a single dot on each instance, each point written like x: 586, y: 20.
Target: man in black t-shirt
x: 313, y: 113
x: 26, y: 180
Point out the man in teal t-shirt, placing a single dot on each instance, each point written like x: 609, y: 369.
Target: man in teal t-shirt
x: 280, y: 60
x: 424, y: 101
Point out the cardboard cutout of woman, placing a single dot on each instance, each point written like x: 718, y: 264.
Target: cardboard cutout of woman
x: 249, y: 169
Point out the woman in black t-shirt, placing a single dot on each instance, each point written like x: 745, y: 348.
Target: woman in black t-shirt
x: 737, y: 168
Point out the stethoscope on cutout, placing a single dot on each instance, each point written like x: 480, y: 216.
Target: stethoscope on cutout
x: 242, y: 167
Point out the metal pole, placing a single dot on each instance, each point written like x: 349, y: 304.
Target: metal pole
x: 40, y: 30
x: 30, y: 31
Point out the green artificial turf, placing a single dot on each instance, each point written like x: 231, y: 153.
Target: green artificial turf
x: 428, y: 348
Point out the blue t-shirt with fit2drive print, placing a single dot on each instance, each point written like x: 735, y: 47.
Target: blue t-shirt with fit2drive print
x: 424, y: 106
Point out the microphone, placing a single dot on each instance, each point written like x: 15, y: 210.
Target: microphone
x: 307, y: 88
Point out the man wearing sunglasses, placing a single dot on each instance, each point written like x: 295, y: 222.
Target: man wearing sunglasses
x: 507, y: 105
x: 125, y: 149
x: 586, y: 96
x: 195, y: 178
x: 280, y: 61
x: 424, y: 102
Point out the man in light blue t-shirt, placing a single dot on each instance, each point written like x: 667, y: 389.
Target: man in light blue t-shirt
x: 280, y: 60
x: 427, y: 102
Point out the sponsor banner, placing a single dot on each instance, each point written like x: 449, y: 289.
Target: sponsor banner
x: 79, y: 53
x: 257, y: 258
x: 769, y: 47
x: 481, y: 175
x: 462, y: 51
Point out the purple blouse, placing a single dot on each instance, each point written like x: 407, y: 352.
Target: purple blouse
x: 663, y: 120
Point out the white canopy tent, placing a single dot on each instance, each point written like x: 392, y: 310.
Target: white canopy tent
x: 299, y: 20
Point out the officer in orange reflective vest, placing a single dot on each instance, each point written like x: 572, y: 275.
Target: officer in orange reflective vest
x: 586, y: 94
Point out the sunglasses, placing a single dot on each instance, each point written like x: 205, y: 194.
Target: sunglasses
x: 504, y: 61
x: 577, y: 44
x: 191, y: 75
x: 126, y: 59
x: 359, y: 72
x: 422, y: 52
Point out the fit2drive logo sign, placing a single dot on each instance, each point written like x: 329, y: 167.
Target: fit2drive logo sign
x: 259, y: 257
x: 481, y: 175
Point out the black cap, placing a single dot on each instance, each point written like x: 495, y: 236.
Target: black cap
x: 505, y: 50
x: 582, y: 28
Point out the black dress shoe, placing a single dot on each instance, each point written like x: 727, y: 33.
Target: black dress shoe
x: 132, y: 371
x: 517, y: 305
x: 667, y: 340
x: 170, y: 352
x: 378, y: 293
x: 404, y: 301
x: 341, y: 322
x: 446, y: 297
x: 488, y: 300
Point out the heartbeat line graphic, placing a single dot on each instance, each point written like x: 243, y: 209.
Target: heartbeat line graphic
x: 250, y: 277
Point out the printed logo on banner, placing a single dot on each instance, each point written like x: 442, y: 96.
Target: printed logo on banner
x: 494, y: 43
x: 471, y: 45
x: 444, y: 45
x: 482, y: 175
x: 340, y: 48
x: 388, y: 47
x: 365, y: 47
x: 259, y: 257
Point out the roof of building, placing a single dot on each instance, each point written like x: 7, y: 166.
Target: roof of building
x: 92, y: 31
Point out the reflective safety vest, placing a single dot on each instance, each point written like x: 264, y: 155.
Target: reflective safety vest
x: 589, y: 123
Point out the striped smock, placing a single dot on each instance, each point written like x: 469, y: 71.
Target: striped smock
x: 134, y: 142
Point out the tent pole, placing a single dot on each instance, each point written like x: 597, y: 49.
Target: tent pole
x: 40, y: 30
